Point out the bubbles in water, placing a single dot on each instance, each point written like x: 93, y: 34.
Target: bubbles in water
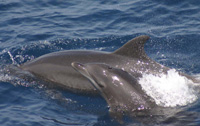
x: 169, y: 90
x: 197, y: 76
x: 14, y: 75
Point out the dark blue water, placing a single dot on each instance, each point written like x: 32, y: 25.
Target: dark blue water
x: 29, y: 29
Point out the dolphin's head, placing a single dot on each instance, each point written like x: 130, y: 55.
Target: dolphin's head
x: 96, y: 73
x: 118, y: 87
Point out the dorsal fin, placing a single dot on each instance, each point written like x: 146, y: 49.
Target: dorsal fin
x: 134, y: 48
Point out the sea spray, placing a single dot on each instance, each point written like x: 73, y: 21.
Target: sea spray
x: 169, y: 90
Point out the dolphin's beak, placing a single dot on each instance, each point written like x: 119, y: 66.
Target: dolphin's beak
x: 77, y: 65
x: 80, y: 68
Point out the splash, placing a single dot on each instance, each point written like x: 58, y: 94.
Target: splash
x: 169, y: 90
x: 197, y: 77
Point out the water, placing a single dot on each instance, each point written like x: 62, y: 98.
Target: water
x: 169, y: 90
x: 29, y: 29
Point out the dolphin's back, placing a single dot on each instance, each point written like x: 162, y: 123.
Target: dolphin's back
x: 56, y: 68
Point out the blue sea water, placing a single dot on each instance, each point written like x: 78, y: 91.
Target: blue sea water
x: 29, y: 29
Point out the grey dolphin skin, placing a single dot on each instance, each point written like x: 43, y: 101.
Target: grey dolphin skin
x: 121, y: 90
x: 56, y: 67
x: 123, y: 93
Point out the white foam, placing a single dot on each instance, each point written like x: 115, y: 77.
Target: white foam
x: 197, y: 77
x: 169, y: 90
x: 5, y: 77
x: 11, y: 57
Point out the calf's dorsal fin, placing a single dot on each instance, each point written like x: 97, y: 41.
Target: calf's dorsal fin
x: 134, y: 48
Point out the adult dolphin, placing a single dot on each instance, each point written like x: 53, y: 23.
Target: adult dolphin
x: 56, y: 67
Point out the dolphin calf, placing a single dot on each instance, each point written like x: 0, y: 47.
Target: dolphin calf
x: 56, y: 67
x: 123, y: 94
x: 121, y: 90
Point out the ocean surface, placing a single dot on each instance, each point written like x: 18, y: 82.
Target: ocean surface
x: 29, y: 29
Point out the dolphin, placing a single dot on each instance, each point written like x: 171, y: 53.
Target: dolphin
x: 123, y: 94
x: 56, y: 67
x: 121, y: 90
